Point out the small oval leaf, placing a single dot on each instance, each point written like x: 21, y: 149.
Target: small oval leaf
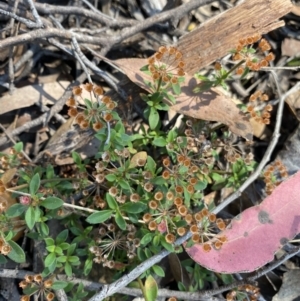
x: 52, y: 203
x: 137, y: 207
x: 151, y: 289
x: 99, y: 217
x: 17, y: 253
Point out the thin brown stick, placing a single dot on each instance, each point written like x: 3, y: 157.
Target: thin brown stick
x: 106, y: 40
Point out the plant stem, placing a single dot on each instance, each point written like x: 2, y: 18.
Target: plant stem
x: 233, y: 68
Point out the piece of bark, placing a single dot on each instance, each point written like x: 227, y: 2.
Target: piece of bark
x: 214, y: 38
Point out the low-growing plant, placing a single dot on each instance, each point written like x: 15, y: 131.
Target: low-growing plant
x: 144, y: 188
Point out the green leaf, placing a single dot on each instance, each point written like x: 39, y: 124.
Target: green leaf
x: 57, y: 285
x: 111, y: 202
x: 66, y: 246
x: 61, y: 259
x: 49, y: 241
x: 153, y: 118
x: 200, y: 185
x: 37, y: 214
x: 171, y: 136
x: 18, y: 146
x: 148, y: 253
x: 50, y: 249
x: 58, y: 250
x: 71, y: 249
x: 156, y: 240
x: 52, y: 267
x: 76, y: 157
x: 50, y: 259
x: 16, y: 210
x: 111, y: 177
x: 34, y: 184
x: 17, y: 253
x: 88, y: 103
x: 181, y: 287
x: 30, y: 290
x: 124, y: 184
x: 159, y: 141
x: 158, y: 270
x: 50, y: 172
x: 3, y: 260
x: 166, y: 245
x: 68, y: 269
x: 52, y: 202
x: 44, y: 229
x: 158, y: 180
x: 120, y: 220
x: 145, y: 68
x: 151, y: 165
x: 74, y: 260
x: 30, y: 217
x: 137, y: 207
x: 151, y: 289
x: 146, y: 239
x: 227, y: 278
x: 62, y: 236
x: 141, y: 254
x: 99, y: 217
x: 88, y: 266
x: 176, y: 88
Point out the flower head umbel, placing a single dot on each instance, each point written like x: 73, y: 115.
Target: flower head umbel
x: 97, y: 111
x: 251, y: 58
x: 35, y: 284
x: 274, y: 174
x: 257, y: 99
x: 110, y: 240
x: 244, y: 292
x: 166, y: 67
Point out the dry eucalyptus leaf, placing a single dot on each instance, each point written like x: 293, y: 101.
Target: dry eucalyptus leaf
x: 210, y: 105
x: 257, y: 233
x: 27, y: 96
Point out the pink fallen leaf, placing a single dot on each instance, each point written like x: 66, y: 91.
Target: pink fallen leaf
x: 211, y: 105
x: 257, y: 233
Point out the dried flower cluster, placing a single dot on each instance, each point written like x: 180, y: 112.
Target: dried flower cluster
x: 110, y: 239
x: 5, y: 248
x: 259, y: 116
x: 11, y: 160
x: 270, y: 175
x: 199, y: 144
x: 97, y: 113
x: 244, y: 292
x: 169, y: 215
x: 166, y: 66
x: 37, y: 285
x: 245, y: 52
